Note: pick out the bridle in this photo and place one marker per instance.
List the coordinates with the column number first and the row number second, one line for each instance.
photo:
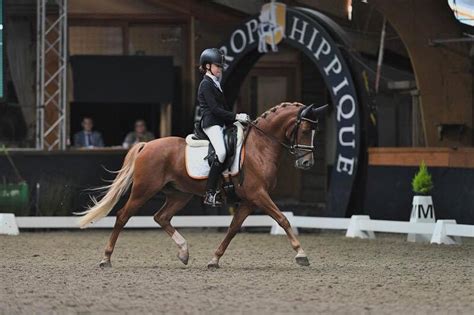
column 293, row 147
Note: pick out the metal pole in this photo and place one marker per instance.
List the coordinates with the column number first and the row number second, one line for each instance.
column 63, row 135
column 51, row 89
column 380, row 59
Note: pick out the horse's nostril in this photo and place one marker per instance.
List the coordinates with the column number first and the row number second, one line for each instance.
column 306, row 163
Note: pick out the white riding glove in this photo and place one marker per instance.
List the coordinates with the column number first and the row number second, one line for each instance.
column 242, row 117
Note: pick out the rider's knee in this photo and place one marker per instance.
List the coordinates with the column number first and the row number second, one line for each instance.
column 221, row 156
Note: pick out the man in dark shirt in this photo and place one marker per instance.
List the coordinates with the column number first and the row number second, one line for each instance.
column 87, row 138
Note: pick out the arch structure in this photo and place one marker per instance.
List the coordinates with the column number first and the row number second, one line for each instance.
column 326, row 45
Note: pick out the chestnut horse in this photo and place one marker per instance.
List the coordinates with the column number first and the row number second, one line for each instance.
column 159, row 165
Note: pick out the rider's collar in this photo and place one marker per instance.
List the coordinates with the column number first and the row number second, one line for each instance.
column 215, row 80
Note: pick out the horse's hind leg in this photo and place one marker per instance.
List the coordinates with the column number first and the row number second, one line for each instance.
column 138, row 197
column 123, row 215
column 175, row 201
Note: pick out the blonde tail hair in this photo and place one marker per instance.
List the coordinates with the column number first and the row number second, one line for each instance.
column 114, row 191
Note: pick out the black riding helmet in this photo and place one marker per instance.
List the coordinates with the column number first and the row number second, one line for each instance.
column 212, row 56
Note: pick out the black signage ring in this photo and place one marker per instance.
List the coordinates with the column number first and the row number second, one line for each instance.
column 303, row 32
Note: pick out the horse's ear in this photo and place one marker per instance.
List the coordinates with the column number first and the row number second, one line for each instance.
column 319, row 110
column 306, row 110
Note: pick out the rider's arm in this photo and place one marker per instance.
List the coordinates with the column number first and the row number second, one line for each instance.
column 216, row 108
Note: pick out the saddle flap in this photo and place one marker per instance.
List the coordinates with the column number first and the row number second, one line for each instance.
column 230, row 140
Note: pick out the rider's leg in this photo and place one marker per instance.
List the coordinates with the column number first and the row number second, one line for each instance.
column 212, row 192
column 216, row 136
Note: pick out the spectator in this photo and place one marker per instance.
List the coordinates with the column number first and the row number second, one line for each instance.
column 140, row 134
column 87, row 138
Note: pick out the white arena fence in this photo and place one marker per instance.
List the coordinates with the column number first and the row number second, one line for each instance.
column 358, row 226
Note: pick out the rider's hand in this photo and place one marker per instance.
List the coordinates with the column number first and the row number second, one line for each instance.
column 242, row 117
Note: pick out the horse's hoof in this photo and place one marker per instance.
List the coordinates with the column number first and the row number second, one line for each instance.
column 105, row 264
column 302, row 260
column 184, row 257
column 213, row 264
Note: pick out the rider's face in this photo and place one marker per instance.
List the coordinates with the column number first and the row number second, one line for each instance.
column 216, row 70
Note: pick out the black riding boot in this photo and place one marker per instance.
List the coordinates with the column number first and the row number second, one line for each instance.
column 212, row 194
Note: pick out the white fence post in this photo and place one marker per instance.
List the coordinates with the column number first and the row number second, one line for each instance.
column 441, row 237
column 422, row 211
column 8, row 224
column 277, row 229
column 354, row 229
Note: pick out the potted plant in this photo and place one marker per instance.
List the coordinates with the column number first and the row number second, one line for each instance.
column 422, row 183
column 422, row 210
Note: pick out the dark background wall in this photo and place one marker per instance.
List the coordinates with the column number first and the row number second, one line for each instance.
column 389, row 194
column 65, row 176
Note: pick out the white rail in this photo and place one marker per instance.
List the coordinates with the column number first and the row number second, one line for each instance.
column 441, row 232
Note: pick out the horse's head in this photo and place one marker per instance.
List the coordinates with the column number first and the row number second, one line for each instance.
column 302, row 135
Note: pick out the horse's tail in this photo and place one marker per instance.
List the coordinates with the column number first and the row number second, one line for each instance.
column 114, row 191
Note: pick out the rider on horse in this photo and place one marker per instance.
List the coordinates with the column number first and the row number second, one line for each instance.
column 216, row 114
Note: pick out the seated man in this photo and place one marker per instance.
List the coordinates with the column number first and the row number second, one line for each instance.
column 87, row 138
column 140, row 134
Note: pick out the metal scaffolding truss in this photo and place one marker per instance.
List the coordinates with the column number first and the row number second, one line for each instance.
column 51, row 74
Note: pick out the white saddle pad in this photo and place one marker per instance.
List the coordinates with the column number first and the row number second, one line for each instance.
column 196, row 151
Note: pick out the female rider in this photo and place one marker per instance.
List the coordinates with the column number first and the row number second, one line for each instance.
column 215, row 116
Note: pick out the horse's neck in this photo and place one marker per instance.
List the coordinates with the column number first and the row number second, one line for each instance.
column 267, row 144
column 276, row 124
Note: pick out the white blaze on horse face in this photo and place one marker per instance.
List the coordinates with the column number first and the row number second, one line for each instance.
column 178, row 239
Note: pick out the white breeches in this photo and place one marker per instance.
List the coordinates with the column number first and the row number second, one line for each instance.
column 216, row 135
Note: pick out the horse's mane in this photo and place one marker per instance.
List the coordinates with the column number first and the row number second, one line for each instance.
column 274, row 109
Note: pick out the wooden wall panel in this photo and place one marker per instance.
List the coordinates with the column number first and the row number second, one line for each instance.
column 440, row 157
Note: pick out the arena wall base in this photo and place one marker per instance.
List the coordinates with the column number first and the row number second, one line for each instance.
column 417, row 237
column 8, row 224
column 440, row 235
column 355, row 227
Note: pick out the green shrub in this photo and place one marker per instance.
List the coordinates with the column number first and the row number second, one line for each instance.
column 422, row 183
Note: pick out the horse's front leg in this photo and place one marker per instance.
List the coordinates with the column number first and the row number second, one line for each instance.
column 264, row 202
column 239, row 217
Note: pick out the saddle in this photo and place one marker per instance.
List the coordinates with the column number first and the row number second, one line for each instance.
column 200, row 154
column 230, row 141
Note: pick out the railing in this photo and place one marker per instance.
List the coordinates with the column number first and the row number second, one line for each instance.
column 441, row 232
